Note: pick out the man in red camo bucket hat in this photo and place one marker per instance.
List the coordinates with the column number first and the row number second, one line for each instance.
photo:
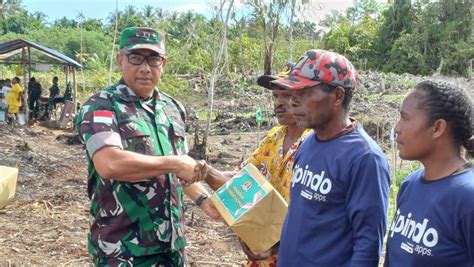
column 340, row 184
column 315, row 67
column 273, row 158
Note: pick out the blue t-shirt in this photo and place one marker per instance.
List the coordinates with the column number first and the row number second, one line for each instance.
column 339, row 198
column 434, row 222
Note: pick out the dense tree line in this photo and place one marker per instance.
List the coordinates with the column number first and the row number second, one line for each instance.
column 418, row 37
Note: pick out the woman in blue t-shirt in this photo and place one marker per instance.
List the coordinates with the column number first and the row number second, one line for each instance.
column 434, row 221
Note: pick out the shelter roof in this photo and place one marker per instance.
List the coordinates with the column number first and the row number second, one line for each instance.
column 14, row 47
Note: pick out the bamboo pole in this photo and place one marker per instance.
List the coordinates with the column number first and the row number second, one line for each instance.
column 75, row 89
column 29, row 63
column 394, row 166
column 25, row 84
column 26, row 89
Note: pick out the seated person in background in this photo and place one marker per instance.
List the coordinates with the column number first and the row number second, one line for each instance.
column 54, row 98
column 54, row 90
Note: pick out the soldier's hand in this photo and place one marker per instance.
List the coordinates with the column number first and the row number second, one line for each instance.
column 190, row 170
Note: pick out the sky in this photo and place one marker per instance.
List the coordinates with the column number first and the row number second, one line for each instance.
column 101, row 9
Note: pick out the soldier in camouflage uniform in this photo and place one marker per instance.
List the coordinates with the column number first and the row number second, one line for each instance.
column 136, row 146
column 54, row 99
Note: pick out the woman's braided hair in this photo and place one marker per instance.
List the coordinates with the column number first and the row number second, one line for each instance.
column 448, row 101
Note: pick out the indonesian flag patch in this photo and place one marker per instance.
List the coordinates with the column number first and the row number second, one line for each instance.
column 103, row 116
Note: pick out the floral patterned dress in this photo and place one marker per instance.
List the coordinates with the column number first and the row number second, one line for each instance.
column 277, row 168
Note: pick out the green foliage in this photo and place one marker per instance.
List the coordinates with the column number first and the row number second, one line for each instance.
column 65, row 23
column 95, row 45
column 399, row 19
column 130, row 17
column 459, row 56
column 10, row 36
column 407, row 50
column 193, row 36
column 92, row 25
column 406, row 170
column 355, row 41
column 415, row 37
column 202, row 115
column 20, row 23
column 338, row 39
column 362, row 9
column 173, row 85
column 94, row 80
column 395, row 184
column 246, row 51
column 393, row 98
column 405, row 36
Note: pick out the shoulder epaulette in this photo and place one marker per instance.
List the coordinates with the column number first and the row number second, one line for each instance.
column 178, row 104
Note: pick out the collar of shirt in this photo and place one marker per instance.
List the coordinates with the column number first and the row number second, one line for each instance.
column 127, row 94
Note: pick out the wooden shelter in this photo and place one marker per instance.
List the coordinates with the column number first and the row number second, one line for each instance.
column 11, row 48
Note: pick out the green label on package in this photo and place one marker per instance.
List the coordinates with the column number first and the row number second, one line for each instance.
column 240, row 194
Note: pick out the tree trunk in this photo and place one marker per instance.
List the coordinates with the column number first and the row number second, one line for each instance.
column 440, row 67
column 267, row 62
column 214, row 74
column 241, row 57
column 290, row 41
column 469, row 69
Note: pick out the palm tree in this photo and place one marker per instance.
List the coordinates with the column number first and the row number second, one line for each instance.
column 148, row 14
column 81, row 17
column 9, row 8
column 40, row 16
column 160, row 14
column 130, row 11
column 65, row 23
column 132, row 17
column 268, row 17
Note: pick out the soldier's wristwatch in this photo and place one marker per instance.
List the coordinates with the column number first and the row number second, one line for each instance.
column 200, row 199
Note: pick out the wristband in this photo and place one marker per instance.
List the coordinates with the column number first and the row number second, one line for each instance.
column 200, row 199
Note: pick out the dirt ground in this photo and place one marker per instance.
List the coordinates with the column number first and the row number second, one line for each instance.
column 47, row 222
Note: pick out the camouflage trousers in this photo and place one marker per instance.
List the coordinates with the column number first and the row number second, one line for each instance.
column 171, row 259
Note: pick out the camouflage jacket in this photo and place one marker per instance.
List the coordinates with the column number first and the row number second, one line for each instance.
column 53, row 91
column 142, row 217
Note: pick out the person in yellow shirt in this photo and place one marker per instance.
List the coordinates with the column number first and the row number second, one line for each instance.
column 274, row 159
column 14, row 98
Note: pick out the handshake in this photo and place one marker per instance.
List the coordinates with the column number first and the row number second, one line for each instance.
column 190, row 171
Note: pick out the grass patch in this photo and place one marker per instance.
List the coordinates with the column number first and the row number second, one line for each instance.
column 387, row 98
column 245, row 114
column 203, row 115
column 393, row 98
column 373, row 97
column 395, row 186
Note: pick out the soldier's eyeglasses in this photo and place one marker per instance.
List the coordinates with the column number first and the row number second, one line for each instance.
column 137, row 59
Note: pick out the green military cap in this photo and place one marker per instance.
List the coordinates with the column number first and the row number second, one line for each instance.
column 142, row 38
